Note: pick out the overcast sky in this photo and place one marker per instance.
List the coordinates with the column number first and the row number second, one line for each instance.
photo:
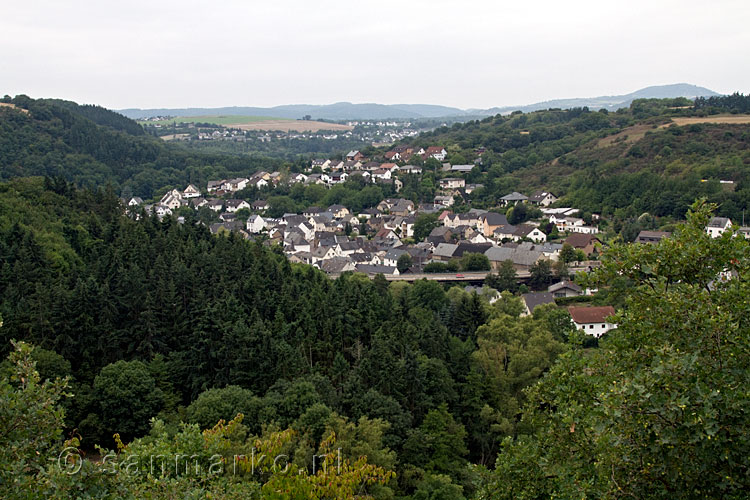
column 463, row 53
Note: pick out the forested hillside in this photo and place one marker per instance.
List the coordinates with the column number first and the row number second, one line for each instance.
column 181, row 314
column 629, row 162
column 95, row 147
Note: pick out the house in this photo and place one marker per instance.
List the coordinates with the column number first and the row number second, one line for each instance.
column 297, row 178
column 403, row 208
column 565, row 289
column 338, row 211
column 391, row 256
column 535, row 299
column 260, row 205
column 214, row 185
column 542, row 198
column 319, row 163
column 215, row 205
column 717, row 225
column 236, row 184
column 258, row 180
column 652, row 237
column 504, row 232
column 135, row 201
column 452, row 183
column 592, row 320
column 437, row 152
column 585, row 242
column 381, row 173
column 337, row 265
column 191, row 192
column 354, row 156
column 172, row 199
column 255, row 224
column 522, row 259
column 444, row 252
column 392, row 155
column 470, row 188
column 337, row 178
column 490, row 221
column 410, row 169
column 234, row 205
column 335, row 165
column 531, row 232
column 513, row 199
column 445, row 201
column 463, row 169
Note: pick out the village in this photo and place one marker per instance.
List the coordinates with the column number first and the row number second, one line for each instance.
column 455, row 247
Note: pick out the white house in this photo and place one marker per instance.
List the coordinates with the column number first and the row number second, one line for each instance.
column 593, row 320
column 452, row 183
column 717, row 226
column 436, row 152
column 542, row 198
column 191, row 191
column 256, row 224
column 234, row 205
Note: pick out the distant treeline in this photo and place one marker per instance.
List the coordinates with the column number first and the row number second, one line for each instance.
column 735, row 103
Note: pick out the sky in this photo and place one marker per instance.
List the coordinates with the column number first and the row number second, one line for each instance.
column 462, row 53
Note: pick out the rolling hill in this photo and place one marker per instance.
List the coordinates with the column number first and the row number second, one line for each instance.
column 372, row 111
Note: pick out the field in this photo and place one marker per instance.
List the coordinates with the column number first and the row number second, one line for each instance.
column 255, row 123
column 628, row 135
column 13, row 106
column 730, row 119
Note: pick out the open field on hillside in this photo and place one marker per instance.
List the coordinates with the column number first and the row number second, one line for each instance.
column 13, row 106
column 628, row 135
column 292, row 126
column 730, row 119
column 255, row 123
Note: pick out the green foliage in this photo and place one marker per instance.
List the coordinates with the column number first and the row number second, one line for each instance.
column 424, row 225
column 660, row 410
column 221, row 404
column 127, row 396
column 96, row 147
column 404, row 262
column 30, row 423
column 474, row 262
column 505, row 278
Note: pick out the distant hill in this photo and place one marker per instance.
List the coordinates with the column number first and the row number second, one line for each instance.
column 336, row 111
column 373, row 111
column 93, row 146
column 610, row 103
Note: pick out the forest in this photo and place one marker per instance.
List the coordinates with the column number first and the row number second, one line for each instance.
column 92, row 147
column 134, row 338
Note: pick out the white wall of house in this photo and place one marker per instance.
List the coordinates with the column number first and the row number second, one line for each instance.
column 595, row 329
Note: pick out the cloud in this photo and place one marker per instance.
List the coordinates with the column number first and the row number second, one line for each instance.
column 467, row 54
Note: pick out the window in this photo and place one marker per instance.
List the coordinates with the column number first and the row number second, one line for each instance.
column 591, row 327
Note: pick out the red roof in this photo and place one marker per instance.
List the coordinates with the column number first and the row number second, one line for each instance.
column 444, row 214
column 583, row 315
column 434, row 149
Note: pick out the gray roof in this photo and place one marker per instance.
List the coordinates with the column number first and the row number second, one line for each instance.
column 540, row 195
column 718, row 222
column 535, row 299
column 522, row 258
column 494, row 219
column 564, row 284
column 336, row 264
column 394, row 253
column 514, row 196
column 444, row 250
column 373, row 269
